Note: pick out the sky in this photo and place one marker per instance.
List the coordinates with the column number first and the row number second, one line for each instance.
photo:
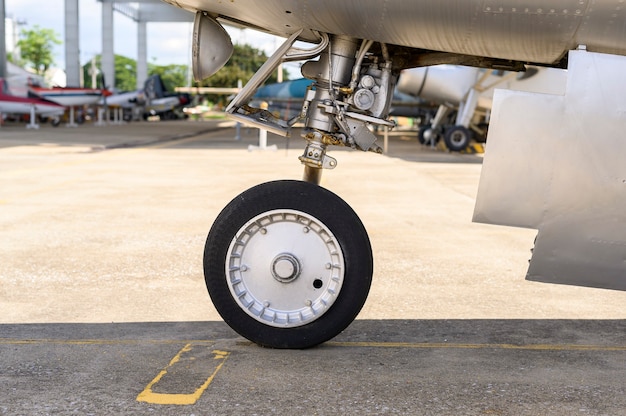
column 168, row 43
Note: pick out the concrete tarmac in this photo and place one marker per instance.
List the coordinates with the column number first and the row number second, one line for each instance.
column 104, row 310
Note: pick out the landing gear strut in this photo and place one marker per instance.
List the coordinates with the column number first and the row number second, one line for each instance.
column 288, row 264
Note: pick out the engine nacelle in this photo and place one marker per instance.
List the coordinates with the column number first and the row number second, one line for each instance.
column 440, row 83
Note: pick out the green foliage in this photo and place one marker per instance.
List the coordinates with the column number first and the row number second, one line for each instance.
column 125, row 74
column 15, row 59
column 36, row 46
column 244, row 62
column 172, row 75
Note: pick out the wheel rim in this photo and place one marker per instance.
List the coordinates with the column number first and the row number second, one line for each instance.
column 284, row 268
column 458, row 138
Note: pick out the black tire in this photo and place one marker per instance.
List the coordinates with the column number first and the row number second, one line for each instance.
column 427, row 130
column 457, row 138
column 285, row 199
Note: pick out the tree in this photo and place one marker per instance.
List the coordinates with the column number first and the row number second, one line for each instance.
column 125, row 74
column 244, row 62
column 36, row 45
column 172, row 75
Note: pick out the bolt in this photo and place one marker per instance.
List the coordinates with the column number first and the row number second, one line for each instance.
column 308, row 302
column 306, row 229
column 244, row 268
column 263, row 230
column 266, row 304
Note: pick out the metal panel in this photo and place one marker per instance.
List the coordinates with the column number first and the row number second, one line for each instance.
column 555, row 163
column 526, row 30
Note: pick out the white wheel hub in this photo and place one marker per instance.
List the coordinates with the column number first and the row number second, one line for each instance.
column 285, row 268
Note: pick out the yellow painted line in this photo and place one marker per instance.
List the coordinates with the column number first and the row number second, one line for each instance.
column 149, row 396
column 428, row 345
column 344, row 344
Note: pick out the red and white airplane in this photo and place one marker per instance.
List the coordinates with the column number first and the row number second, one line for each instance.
column 11, row 104
column 288, row 264
column 69, row 97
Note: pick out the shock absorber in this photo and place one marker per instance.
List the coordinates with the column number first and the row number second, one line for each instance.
column 332, row 74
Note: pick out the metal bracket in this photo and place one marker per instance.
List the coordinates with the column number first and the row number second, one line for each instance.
column 315, row 156
column 239, row 110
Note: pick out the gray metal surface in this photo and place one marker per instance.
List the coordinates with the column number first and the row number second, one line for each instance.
column 536, row 31
column 556, row 164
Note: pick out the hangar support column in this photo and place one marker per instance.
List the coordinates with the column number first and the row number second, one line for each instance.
column 142, row 54
column 72, row 51
column 108, row 58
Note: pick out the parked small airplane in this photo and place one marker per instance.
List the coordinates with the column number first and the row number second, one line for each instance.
column 160, row 102
column 464, row 96
column 11, row 104
column 288, row 264
column 152, row 100
column 18, row 79
column 69, row 97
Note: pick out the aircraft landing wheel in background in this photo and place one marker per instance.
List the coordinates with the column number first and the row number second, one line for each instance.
column 457, row 138
column 288, row 264
column 426, row 135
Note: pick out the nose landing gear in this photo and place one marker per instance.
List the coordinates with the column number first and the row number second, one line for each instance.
column 288, row 264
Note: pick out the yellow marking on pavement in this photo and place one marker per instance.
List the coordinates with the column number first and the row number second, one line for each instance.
column 345, row 344
column 149, row 396
column 425, row 345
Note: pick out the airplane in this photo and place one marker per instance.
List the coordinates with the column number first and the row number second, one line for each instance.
column 18, row 79
column 464, row 97
column 11, row 104
column 288, row 264
column 69, row 97
column 160, row 102
column 452, row 101
column 151, row 100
